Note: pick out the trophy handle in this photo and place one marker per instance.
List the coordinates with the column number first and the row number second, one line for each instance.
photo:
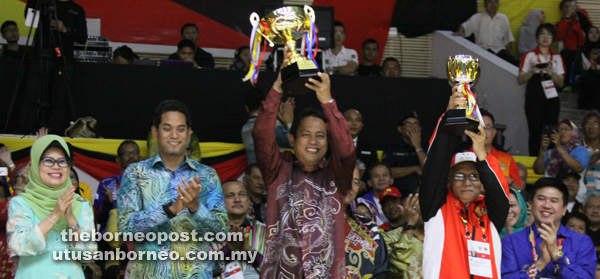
column 310, row 13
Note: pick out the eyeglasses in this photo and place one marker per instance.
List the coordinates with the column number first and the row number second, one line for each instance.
column 49, row 162
column 409, row 124
column 593, row 124
column 461, row 177
column 592, row 207
column 9, row 30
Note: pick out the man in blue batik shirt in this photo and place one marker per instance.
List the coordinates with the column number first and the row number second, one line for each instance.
column 171, row 193
column 548, row 249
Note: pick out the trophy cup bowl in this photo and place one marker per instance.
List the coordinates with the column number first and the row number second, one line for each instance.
column 463, row 69
column 284, row 26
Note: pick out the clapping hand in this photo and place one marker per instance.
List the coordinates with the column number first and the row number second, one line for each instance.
column 189, row 193
column 412, row 209
column 243, row 245
column 63, row 203
column 41, row 132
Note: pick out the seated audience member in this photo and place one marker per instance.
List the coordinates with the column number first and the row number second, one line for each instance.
column 10, row 32
column 203, row 59
column 391, row 67
column 391, row 205
column 48, row 207
column 592, row 211
column 492, row 31
column 527, row 39
column 568, row 152
column 406, row 242
column 366, row 252
column 255, row 186
column 558, row 252
column 241, row 59
column 407, row 156
column 370, row 52
column 128, row 153
column 571, row 179
column 452, row 205
column 586, row 63
column 507, row 162
column 577, row 222
column 591, row 133
column 363, row 210
column 123, row 55
column 364, row 151
column 237, row 204
column 185, row 52
column 339, row 59
column 517, row 214
column 81, row 188
column 569, row 33
column 522, row 173
column 380, row 177
column 285, row 117
column 541, row 109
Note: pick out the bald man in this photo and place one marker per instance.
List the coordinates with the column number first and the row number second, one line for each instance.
column 364, row 152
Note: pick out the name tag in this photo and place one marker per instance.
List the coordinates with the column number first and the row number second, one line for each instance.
column 480, row 261
column 549, row 89
column 365, row 152
column 233, row 271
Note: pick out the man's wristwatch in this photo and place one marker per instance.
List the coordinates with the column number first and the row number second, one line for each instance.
column 75, row 227
column 559, row 254
column 407, row 226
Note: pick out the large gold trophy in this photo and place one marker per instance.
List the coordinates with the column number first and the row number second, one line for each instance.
column 463, row 69
column 284, row 26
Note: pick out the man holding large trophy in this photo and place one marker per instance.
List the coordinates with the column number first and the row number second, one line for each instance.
column 284, row 26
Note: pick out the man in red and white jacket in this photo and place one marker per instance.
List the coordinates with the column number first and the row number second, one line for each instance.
column 461, row 224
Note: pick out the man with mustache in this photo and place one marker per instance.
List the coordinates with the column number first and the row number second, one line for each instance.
column 255, row 186
column 548, row 249
column 305, row 190
column 237, row 202
column 391, row 204
column 458, row 218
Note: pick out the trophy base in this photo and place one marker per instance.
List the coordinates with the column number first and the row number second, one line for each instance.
column 457, row 123
column 295, row 75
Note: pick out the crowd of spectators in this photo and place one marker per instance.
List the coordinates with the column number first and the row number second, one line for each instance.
column 335, row 208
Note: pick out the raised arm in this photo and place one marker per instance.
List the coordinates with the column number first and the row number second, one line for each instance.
column 434, row 181
column 343, row 156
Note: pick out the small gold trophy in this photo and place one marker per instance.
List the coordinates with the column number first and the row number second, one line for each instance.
column 463, row 69
column 284, row 26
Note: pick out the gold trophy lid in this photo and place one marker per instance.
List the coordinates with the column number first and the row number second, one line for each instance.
column 462, row 68
column 285, row 24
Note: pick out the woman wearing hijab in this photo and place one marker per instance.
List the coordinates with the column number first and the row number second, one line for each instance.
column 527, row 38
column 49, row 205
column 517, row 214
column 587, row 66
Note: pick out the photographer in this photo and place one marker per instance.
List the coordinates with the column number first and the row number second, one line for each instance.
column 539, row 66
column 57, row 29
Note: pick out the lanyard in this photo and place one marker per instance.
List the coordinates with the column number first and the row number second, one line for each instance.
column 534, row 251
column 468, row 234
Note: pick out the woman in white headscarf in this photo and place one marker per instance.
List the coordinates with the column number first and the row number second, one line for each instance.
column 527, row 39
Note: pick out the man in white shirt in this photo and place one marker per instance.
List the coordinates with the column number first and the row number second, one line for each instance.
column 339, row 59
column 492, row 31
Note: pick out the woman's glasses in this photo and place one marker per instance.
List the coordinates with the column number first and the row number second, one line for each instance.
column 49, row 162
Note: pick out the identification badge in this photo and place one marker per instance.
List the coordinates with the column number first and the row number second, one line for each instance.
column 549, row 89
column 480, row 261
column 233, row 270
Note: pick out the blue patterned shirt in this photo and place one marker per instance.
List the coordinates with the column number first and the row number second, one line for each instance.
column 147, row 186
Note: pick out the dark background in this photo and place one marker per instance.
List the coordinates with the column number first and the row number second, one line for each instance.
column 123, row 97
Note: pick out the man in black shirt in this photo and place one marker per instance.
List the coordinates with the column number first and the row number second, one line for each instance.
column 189, row 31
column 10, row 32
column 364, row 151
column 49, row 67
column 257, row 192
column 407, row 156
column 369, row 51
